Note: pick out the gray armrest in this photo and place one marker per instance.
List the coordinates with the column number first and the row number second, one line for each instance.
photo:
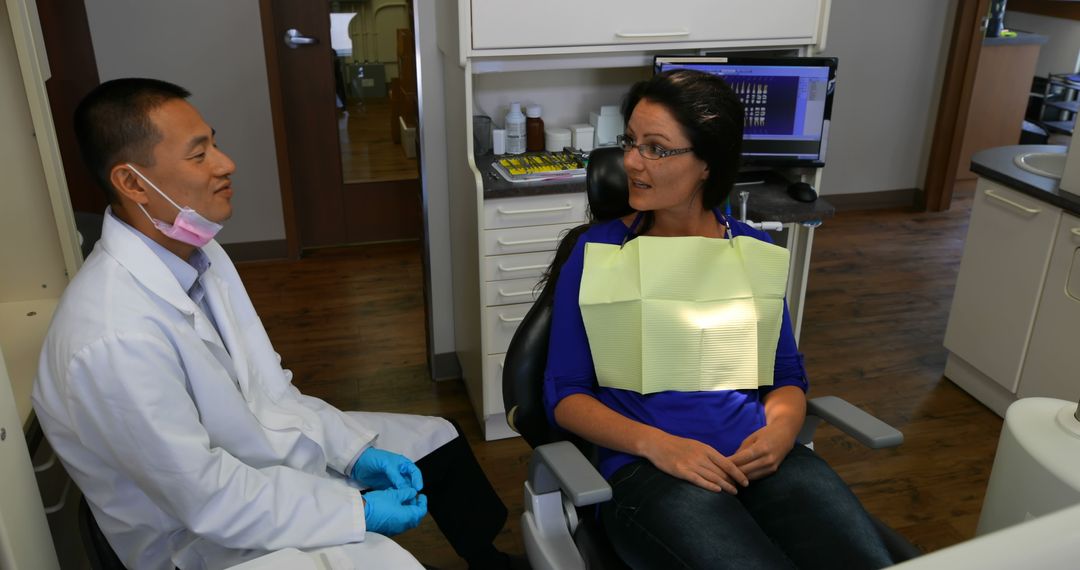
column 561, row 466
column 853, row 421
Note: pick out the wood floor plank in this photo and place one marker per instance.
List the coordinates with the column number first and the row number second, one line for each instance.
column 350, row 324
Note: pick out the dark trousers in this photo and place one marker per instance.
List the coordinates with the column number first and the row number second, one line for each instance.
column 802, row 516
column 460, row 498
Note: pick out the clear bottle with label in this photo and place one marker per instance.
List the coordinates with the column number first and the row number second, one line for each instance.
column 515, row 130
column 534, row 129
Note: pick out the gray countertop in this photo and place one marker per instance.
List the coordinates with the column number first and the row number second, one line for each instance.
column 997, row 164
column 768, row 201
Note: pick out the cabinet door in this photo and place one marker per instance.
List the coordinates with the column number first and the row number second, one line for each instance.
column 1001, row 276
column 1050, row 367
column 508, row 24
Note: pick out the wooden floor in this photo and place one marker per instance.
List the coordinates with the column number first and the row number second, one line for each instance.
column 350, row 324
column 368, row 154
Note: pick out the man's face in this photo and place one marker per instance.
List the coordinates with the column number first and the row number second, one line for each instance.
column 188, row 166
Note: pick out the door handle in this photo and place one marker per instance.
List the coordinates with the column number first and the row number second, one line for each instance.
column 521, row 268
column 506, row 319
column 293, row 39
column 1075, row 232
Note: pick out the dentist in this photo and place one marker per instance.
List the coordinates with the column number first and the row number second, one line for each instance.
column 161, row 393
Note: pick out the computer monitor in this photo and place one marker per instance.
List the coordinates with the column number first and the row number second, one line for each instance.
column 787, row 103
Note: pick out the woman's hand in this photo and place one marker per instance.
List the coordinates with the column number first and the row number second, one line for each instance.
column 762, row 452
column 693, row 461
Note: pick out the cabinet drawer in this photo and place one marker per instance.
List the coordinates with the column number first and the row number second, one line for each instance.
column 517, row 266
column 511, row 291
column 493, row 368
column 534, row 211
column 1001, row 277
column 1050, row 366
column 507, row 24
column 502, row 322
column 522, row 240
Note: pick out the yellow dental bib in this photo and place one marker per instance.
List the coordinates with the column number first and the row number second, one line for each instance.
column 683, row 313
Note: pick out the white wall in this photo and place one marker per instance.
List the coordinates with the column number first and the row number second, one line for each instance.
column 214, row 49
column 892, row 58
column 436, row 191
column 1059, row 54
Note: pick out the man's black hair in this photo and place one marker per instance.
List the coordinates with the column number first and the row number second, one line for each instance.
column 112, row 125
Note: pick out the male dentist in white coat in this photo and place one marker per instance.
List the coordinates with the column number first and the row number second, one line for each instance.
column 161, row 393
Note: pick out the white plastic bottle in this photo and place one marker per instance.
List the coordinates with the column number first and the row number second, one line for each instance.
column 515, row 130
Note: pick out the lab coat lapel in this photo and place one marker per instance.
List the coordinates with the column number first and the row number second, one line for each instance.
column 235, row 359
column 130, row 252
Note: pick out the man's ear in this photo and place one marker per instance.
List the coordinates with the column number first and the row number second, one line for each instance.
column 127, row 185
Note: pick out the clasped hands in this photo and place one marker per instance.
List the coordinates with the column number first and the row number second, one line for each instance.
column 759, row 455
column 393, row 504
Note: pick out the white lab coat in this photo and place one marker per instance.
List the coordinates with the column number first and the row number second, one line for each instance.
column 195, row 449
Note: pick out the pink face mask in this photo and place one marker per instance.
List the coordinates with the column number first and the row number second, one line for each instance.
column 189, row 227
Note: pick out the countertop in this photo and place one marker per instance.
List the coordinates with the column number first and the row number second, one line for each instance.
column 997, row 164
column 1021, row 38
column 768, row 201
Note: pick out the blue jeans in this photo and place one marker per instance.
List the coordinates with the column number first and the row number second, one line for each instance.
column 802, row 516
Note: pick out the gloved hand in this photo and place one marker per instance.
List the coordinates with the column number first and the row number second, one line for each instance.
column 381, row 469
column 393, row 511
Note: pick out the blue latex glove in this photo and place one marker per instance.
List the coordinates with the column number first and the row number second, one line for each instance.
column 393, row 511
column 381, row 469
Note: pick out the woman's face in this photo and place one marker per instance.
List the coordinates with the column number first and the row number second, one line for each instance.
column 667, row 183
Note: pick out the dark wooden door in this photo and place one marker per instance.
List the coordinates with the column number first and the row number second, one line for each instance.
column 306, row 82
column 66, row 33
column 328, row 211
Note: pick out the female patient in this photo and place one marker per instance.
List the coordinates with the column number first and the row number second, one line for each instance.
column 702, row 477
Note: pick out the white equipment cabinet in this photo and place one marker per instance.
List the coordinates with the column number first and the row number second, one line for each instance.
column 569, row 57
column 1050, row 368
column 1001, row 275
column 39, row 250
column 1015, row 314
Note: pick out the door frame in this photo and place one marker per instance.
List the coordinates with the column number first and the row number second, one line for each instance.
column 277, row 119
column 953, row 105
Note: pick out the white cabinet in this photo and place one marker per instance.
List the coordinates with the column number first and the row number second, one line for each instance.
column 38, row 252
column 520, row 237
column 620, row 24
column 1051, row 368
column 1001, row 276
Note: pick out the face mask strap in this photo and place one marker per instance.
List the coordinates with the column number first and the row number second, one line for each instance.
column 152, row 185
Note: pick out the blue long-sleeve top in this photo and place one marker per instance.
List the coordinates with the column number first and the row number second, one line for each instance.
column 721, row 419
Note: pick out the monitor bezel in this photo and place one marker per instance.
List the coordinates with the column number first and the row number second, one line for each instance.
column 787, row 61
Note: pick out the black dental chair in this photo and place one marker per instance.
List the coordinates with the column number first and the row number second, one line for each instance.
column 558, row 525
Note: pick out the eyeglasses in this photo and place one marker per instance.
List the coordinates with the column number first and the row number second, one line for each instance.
column 649, row 151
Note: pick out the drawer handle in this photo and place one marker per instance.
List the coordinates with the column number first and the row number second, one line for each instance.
column 1075, row 232
column 502, row 210
column 504, row 293
column 527, row 241
column 651, row 34
column 511, row 319
column 1016, row 205
column 521, row 268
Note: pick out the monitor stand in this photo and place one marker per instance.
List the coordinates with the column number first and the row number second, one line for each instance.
column 752, row 177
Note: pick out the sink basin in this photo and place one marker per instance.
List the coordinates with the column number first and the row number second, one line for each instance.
column 1049, row 164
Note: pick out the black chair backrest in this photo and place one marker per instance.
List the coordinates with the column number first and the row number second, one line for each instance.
column 98, row 550
column 526, row 358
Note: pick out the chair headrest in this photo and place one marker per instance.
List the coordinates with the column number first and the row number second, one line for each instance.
column 606, row 185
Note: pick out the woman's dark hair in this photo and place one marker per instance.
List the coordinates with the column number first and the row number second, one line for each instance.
column 112, row 125
column 711, row 117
